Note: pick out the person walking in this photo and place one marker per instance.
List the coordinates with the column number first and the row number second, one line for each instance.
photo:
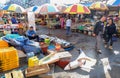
column 98, row 31
column 68, row 26
column 110, row 31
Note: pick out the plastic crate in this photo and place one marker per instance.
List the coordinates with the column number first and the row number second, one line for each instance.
column 3, row 44
column 8, row 58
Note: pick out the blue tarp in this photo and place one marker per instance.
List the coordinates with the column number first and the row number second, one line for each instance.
column 29, row 48
column 12, row 36
column 22, row 42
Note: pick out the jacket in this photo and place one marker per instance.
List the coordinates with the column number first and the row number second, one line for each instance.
column 98, row 27
column 30, row 33
column 110, row 30
column 14, row 21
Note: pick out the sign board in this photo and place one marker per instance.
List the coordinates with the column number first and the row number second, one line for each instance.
column 31, row 19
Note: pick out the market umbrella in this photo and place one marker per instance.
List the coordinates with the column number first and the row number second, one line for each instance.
column 48, row 9
column 61, row 8
column 34, row 9
column 1, row 6
column 99, row 6
column 15, row 8
column 113, row 2
column 77, row 9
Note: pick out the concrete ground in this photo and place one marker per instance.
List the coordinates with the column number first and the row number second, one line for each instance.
column 108, row 63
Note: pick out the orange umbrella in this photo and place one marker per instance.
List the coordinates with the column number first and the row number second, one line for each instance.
column 98, row 6
column 77, row 9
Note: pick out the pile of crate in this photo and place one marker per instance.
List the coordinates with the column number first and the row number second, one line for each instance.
column 8, row 58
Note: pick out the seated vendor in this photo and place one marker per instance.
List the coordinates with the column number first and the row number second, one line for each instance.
column 31, row 34
column 15, row 31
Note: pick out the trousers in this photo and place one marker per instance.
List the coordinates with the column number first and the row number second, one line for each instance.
column 68, row 32
column 98, row 41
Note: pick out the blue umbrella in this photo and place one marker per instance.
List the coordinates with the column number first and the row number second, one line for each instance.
column 33, row 9
column 14, row 7
column 117, row 2
column 114, row 2
column 1, row 6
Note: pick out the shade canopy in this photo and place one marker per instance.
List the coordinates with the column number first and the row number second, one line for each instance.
column 77, row 9
column 113, row 2
column 48, row 9
column 99, row 6
column 2, row 6
column 34, row 9
column 15, row 8
column 61, row 8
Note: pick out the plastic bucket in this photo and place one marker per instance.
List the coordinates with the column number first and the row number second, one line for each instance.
column 44, row 47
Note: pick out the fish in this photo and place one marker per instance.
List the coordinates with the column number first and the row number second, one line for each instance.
column 81, row 61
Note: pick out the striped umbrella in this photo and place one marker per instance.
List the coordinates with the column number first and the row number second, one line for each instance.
column 77, row 9
column 113, row 2
column 34, row 9
column 15, row 8
column 48, row 9
column 98, row 6
column 61, row 8
column 1, row 6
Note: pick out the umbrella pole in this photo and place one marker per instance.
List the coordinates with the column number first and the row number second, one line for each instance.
column 49, row 32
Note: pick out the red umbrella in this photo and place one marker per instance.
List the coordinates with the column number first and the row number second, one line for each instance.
column 77, row 9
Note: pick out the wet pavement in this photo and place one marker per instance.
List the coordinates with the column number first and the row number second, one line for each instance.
column 108, row 63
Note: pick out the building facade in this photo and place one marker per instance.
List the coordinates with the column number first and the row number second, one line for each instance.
column 28, row 3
